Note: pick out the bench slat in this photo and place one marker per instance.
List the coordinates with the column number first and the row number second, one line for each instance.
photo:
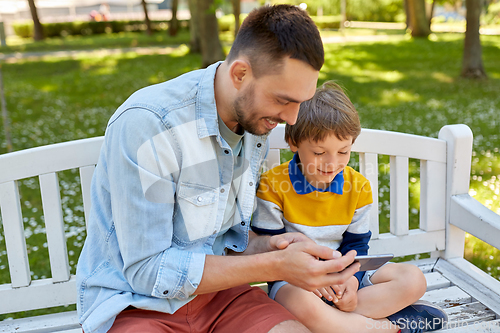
column 54, row 225
column 86, row 174
column 399, row 195
column 52, row 158
column 58, row 322
column 436, row 281
column 417, row 241
column 14, row 234
column 40, row 294
column 432, row 195
column 368, row 167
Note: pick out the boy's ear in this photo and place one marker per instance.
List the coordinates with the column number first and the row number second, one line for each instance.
column 239, row 72
column 293, row 147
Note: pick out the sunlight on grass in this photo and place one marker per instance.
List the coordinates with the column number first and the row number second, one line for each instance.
column 442, row 77
column 395, row 96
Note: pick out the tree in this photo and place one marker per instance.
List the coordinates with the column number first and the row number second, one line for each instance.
column 149, row 31
column 174, row 23
column 419, row 24
column 38, row 28
column 205, row 31
column 236, row 12
column 194, row 27
column 472, row 64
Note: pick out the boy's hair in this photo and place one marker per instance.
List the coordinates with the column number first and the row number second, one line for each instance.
column 329, row 112
column 270, row 33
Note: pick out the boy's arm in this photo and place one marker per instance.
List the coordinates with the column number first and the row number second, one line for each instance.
column 356, row 240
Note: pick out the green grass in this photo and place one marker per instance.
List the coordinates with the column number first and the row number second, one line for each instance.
column 404, row 85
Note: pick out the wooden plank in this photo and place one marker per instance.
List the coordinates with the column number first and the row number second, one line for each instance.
column 468, row 313
column 492, row 326
column 39, row 295
column 425, row 265
column 417, row 241
column 54, row 226
column 52, row 158
column 57, row 322
column 432, row 195
column 399, row 196
column 15, row 240
column 384, row 143
column 436, row 281
column 447, row 297
column 472, row 280
column 86, row 174
column 470, row 215
column 368, row 167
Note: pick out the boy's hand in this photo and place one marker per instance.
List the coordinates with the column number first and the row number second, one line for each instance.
column 347, row 295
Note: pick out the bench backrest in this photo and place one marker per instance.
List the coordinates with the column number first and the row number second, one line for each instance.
column 436, row 187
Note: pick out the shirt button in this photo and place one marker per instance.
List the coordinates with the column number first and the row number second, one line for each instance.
column 226, row 151
column 259, row 145
column 165, row 292
column 222, row 190
column 200, row 199
column 251, row 184
column 243, row 223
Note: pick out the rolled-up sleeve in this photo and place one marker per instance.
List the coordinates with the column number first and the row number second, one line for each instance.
column 143, row 193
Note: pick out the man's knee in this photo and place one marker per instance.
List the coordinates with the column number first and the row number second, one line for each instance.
column 289, row 326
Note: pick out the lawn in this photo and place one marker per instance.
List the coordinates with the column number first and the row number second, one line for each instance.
column 401, row 85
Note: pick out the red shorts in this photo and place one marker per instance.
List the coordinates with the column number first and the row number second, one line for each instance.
column 240, row 309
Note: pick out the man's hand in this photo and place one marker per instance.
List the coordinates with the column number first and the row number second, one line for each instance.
column 299, row 265
column 280, row 242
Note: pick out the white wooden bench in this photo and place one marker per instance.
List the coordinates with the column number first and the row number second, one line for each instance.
column 469, row 295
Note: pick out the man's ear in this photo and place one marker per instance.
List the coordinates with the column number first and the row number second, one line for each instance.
column 239, row 72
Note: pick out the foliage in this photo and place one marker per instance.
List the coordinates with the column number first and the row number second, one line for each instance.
column 62, row 29
column 492, row 16
column 376, row 11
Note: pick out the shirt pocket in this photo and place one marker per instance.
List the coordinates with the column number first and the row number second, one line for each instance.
column 196, row 212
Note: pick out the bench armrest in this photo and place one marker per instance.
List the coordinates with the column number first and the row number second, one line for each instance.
column 473, row 217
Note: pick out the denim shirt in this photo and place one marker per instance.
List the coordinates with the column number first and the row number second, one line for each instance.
column 158, row 194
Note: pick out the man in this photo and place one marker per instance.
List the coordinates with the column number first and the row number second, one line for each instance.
column 174, row 191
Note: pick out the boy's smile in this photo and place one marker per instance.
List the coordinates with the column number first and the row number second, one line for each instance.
column 321, row 161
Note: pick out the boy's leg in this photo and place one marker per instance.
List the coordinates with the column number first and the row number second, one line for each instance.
column 320, row 317
column 395, row 286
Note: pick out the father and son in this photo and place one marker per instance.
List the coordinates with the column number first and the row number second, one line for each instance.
column 182, row 219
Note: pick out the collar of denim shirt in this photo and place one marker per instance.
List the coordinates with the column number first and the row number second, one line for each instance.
column 302, row 186
column 206, row 109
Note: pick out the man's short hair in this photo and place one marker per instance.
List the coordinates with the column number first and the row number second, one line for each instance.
column 270, row 33
column 329, row 112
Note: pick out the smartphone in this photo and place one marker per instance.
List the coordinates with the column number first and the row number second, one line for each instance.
column 374, row 261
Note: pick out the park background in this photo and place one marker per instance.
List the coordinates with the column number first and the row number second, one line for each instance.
column 402, row 74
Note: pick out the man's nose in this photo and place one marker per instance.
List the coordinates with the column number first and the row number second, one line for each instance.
column 290, row 113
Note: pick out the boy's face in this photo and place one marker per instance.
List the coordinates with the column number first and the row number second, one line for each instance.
column 321, row 161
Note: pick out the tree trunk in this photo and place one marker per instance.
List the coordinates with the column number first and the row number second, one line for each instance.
column 429, row 10
column 174, row 23
column 211, row 48
column 418, row 18
column 236, row 12
column 38, row 29
column 5, row 114
column 194, row 27
column 407, row 12
column 472, row 64
column 149, row 31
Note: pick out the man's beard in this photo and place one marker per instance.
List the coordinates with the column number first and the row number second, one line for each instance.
column 246, row 114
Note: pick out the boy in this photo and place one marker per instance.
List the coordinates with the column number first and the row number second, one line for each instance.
column 316, row 193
